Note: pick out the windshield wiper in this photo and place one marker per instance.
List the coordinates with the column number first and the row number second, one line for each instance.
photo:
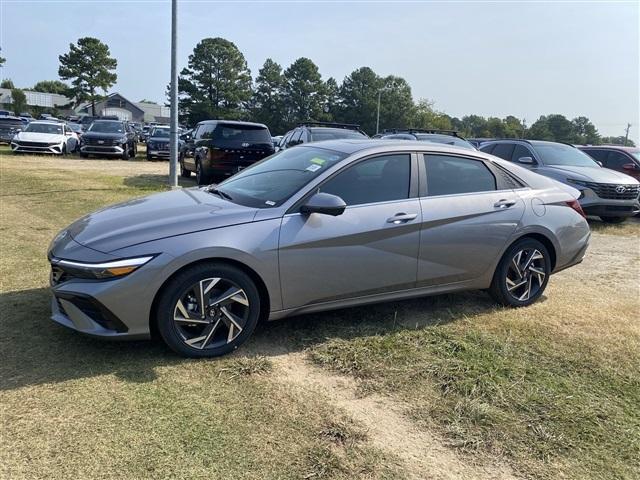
column 220, row 193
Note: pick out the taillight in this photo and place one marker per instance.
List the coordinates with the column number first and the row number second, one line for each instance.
column 576, row 206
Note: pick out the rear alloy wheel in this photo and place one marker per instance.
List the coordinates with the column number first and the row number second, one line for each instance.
column 522, row 274
column 201, row 177
column 208, row 310
column 613, row 219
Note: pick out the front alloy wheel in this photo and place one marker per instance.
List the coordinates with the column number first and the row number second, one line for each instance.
column 208, row 310
column 522, row 274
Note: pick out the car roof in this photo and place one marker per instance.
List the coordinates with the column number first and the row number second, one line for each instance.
column 46, row 122
column 350, row 146
column 524, row 140
column 233, row 122
column 610, row 147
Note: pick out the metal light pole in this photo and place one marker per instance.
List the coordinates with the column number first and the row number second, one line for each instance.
column 378, row 116
column 173, row 130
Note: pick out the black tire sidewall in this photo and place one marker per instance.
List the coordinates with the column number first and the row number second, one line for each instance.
column 613, row 220
column 177, row 285
column 499, row 286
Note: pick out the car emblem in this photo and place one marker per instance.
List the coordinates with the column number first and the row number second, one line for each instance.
column 621, row 189
column 100, row 141
column 245, row 144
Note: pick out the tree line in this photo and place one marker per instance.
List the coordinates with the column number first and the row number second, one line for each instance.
column 217, row 83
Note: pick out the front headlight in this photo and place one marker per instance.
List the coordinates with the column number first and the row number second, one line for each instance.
column 123, row 140
column 117, row 268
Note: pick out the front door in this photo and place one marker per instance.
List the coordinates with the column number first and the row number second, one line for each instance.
column 371, row 248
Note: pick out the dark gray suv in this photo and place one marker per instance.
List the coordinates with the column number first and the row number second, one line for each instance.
column 605, row 193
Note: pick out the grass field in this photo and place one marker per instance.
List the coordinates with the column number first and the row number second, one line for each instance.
column 446, row 387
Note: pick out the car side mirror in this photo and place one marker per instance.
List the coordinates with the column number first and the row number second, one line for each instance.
column 526, row 161
column 324, row 203
column 630, row 166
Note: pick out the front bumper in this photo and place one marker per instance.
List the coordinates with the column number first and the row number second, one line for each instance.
column 158, row 153
column 596, row 206
column 34, row 147
column 102, row 150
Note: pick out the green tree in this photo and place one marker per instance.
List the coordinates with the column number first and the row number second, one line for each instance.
column 90, row 67
column 425, row 116
column 617, row 141
column 18, row 101
column 216, row 83
column 2, row 59
column 53, row 86
column 396, row 103
column 540, row 130
column 554, row 127
column 513, row 127
column 305, row 94
column 358, row 99
column 475, row 126
column 7, row 83
column 267, row 104
column 585, row 131
column 496, row 127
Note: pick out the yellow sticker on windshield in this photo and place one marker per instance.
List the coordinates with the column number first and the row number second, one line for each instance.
column 317, row 161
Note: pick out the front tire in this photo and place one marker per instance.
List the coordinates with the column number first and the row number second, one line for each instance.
column 522, row 274
column 125, row 153
column 208, row 310
column 84, row 155
column 184, row 173
column 613, row 219
column 201, row 177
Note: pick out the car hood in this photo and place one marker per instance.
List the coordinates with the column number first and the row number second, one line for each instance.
column 589, row 174
column 39, row 137
column 157, row 216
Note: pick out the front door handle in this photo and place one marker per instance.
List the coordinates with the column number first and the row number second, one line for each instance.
column 504, row 203
column 399, row 218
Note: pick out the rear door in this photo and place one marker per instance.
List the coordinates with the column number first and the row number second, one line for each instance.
column 469, row 211
column 371, row 248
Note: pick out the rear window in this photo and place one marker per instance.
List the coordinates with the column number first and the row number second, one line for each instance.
column 319, row 134
column 228, row 134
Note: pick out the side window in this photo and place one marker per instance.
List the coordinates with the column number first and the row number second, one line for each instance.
column 450, row 175
column 616, row 160
column 597, row 155
column 196, row 132
column 285, row 140
column 503, row 150
column 295, row 138
column 519, row 152
column 206, row 130
column 488, row 148
column 379, row 179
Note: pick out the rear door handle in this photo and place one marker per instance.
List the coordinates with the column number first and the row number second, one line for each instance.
column 504, row 203
column 399, row 218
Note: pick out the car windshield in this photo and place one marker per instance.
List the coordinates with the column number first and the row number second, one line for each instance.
column 76, row 127
column 446, row 139
column 319, row 134
column 230, row 135
column 271, row 182
column 106, row 127
column 160, row 132
column 44, row 128
column 636, row 154
column 559, row 154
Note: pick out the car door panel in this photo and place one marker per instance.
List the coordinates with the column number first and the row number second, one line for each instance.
column 462, row 235
column 364, row 251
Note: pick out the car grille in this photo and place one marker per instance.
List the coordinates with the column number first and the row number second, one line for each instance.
column 614, row 192
column 99, row 141
column 35, row 144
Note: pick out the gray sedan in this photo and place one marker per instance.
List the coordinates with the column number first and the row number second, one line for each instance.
column 316, row 227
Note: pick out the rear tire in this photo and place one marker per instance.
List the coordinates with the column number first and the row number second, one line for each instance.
column 221, row 323
column 84, row 155
column 613, row 219
column 522, row 274
column 201, row 177
column 184, row 173
column 125, row 153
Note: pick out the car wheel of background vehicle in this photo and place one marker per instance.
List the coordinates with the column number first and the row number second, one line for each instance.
column 84, row 155
column 522, row 274
column 149, row 158
column 201, row 177
column 134, row 150
column 183, row 171
column 125, row 153
column 64, row 148
column 208, row 310
column 613, row 219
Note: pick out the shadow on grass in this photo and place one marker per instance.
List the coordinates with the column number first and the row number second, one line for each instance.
column 35, row 350
column 152, row 181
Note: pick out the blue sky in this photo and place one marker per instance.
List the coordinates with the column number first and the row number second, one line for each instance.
column 488, row 58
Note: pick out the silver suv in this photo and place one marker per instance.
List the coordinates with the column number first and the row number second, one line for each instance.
column 605, row 193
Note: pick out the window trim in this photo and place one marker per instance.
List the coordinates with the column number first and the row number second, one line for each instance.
column 413, row 181
column 423, row 192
